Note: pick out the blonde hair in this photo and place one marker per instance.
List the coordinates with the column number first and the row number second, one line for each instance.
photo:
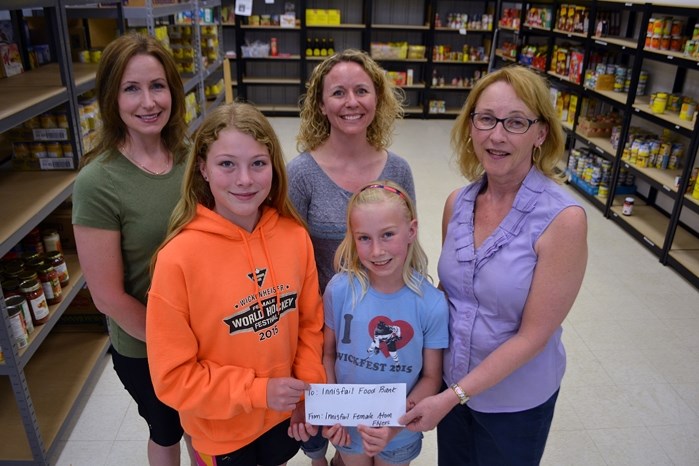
column 533, row 90
column 315, row 127
column 346, row 256
column 195, row 190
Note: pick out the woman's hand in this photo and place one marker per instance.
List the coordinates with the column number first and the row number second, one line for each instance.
column 284, row 392
column 337, row 435
column 429, row 411
column 375, row 439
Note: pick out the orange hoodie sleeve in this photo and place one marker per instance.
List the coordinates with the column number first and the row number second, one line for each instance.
column 308, row 363
column 200, row 388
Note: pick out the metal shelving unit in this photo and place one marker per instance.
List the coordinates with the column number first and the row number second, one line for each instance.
column 152, row 14
column 276, row 83
column 29, row 425
column 665, row 218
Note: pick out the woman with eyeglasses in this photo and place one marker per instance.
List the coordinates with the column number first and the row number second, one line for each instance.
column 513, row 258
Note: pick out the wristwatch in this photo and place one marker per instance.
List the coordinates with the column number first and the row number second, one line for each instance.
column 463, row 397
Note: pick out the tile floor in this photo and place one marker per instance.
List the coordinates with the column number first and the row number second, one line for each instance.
column 631, row 392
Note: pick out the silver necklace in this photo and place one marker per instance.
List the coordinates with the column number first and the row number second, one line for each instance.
column 122, row 149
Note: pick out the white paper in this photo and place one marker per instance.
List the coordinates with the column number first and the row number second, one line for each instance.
column 243, row 7
column 373, row 405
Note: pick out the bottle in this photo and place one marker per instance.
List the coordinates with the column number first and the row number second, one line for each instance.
column 316, row 47
column 309, row 47
column 435, row 80
column 273, row 50
column 324, row 47
column 331, row 47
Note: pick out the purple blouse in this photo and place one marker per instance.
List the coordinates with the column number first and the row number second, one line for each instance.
column 487, row 289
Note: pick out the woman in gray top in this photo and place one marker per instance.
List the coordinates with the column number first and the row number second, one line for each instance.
column 347, row 119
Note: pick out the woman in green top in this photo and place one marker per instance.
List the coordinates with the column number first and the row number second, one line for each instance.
column 122, row 201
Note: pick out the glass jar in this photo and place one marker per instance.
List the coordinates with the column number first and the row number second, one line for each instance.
column 10, row 287
column 27, row 274
column 38, row 306
column 52, row 286
column 52, row 241
column 56, row 260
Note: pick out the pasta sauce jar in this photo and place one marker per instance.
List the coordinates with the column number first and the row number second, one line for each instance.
column 56, row 260
column 49, row 281
column 38, row 306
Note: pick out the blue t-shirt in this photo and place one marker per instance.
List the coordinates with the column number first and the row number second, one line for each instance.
column 379, row 337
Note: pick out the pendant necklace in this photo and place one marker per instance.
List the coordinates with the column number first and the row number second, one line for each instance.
column 122, row 149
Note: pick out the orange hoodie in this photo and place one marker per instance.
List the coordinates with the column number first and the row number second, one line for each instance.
column 227, row 310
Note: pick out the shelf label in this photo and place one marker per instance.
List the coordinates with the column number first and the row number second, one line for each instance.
column 649, row 242
column 666, row 188
column 462, row 31
column 50, row 134
column 601, row 42
column 670, row 57
column 628, row 4
column 599, row 149
column 677, row 127
column 56, row 164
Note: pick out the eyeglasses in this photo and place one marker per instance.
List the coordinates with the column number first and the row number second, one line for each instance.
column 516, row 125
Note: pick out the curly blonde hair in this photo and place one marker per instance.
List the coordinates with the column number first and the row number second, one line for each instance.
column 315, row 127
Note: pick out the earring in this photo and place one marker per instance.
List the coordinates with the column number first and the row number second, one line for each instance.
column 536, row 153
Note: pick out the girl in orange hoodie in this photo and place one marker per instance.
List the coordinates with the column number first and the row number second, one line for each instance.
column 235, row 317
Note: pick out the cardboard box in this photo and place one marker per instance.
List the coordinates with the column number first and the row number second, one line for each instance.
column 334, row 17
column 10, row 61
column 399, row 78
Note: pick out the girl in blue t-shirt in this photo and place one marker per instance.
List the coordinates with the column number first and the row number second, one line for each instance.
column 384, row 321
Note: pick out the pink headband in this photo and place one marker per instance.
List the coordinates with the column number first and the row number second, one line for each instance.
column 387, row 188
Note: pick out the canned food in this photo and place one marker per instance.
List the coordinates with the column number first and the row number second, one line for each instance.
column 658, row 24
column 665, row 42
column 48, row 121
column 19, row 329
column 95, row 56
column 627, row 208
column 676, row 43
column 667, row 26
column 676, row 29
column 84, row 56
column 53, row 150
column 688, row 110
column 38, row 150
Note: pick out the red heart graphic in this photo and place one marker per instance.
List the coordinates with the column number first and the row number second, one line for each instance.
column 382, row 324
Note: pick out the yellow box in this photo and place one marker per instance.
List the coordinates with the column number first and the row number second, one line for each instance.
column 334, row 17
column 322, row 17
column 311, row 17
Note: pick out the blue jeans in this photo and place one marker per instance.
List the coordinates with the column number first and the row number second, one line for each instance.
column 470, row 438
column 316, row 447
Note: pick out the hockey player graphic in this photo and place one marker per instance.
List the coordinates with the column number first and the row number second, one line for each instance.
column 388, row 334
